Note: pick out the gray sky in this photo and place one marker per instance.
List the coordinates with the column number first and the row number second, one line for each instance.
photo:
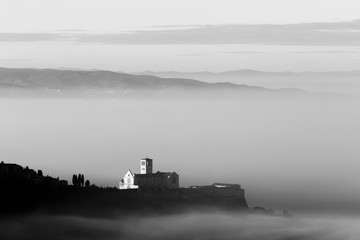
column 216, row 35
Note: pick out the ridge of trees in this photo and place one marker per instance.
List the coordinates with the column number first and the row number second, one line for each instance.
column 78, row 180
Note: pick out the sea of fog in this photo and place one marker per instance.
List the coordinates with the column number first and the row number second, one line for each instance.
column 298, row 155
column 191, row 225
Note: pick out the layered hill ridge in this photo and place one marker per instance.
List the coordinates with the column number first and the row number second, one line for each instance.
column 249, row 72
column 26, row 81
column 72, row 79
column 339, row 82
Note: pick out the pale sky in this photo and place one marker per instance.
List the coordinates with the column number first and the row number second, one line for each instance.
column 186, row 35
column 50, row 15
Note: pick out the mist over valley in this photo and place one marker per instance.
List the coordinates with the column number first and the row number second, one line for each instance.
column 216, row 120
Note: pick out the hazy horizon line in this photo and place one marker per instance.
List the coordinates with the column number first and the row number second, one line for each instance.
column 176, row 71
column 341, row 33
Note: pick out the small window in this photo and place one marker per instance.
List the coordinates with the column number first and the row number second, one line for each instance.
column 142, row 163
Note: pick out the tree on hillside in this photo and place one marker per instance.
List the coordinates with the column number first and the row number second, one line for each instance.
column 80, row 180
column 87, row 183
column 75, row 180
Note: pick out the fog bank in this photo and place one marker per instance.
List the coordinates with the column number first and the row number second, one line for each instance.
column 214, row 225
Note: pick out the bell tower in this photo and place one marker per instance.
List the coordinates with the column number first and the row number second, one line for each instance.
column 146, row 166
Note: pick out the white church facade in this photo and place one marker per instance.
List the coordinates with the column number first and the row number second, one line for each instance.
column 148, row 179
column 128, row 181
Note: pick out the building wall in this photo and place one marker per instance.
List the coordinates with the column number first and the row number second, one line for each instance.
column 167, row 180
column 173, row 181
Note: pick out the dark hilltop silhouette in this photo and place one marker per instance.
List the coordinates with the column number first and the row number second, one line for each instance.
column 25, row 190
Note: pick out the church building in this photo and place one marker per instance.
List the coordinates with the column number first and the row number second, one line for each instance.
column 148, row 179
column 128, row 181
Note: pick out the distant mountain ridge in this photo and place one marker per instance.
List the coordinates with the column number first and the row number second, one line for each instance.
column 246, row 72
column 338, row 82
column 101, row 82
column 63, row 79
column 70, row 79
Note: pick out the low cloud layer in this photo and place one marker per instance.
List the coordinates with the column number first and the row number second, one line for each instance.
column 216, row 225
column 322, row 33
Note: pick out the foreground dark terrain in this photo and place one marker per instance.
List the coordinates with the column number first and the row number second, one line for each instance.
column 26, row 191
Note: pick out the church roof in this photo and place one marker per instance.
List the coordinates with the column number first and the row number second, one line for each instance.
column 158, row 173
column 132, row 174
